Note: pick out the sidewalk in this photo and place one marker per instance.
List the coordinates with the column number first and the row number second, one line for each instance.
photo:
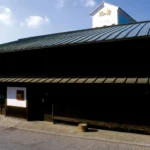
column 69, row 130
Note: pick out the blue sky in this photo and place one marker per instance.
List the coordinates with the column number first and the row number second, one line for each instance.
column 25, row 18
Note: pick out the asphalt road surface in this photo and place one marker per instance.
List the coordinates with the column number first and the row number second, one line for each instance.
column 15, row 139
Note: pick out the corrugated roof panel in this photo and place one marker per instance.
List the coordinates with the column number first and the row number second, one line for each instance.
column 142, row 80
column 74, row 37
column 126, row 32
column 81, row 36
column 27, row 45
column 23, row 79
column 120, row 80
column 86, row 38
column 105, row 36
column 81, row 80
column 21, row 46
column 11, row 79
column 144, row 31
column 17, row 79
column 56, row 80
column 42, row 80
column 5, row 80
column 78, row 80
column 113, row 29
column 100, row 80
column 61, row 40
column 90, row 80
column 76, row 40
column 68, row 40
column 131, row 80
column 64, row 80
column 115, row 34
column 73, row 80
column 8, row 79
column 28, row 80
column 136, row 30
column 35, row 80
column 45, row 44
column 110, row 80
column 95, row 35
column 36, row 43
column 49, row 80
column 56, row 40
column 1, row 79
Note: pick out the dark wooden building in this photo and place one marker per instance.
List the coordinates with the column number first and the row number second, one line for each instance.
column 91, row 75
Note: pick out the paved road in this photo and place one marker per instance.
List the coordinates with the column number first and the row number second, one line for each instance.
column 15, row 139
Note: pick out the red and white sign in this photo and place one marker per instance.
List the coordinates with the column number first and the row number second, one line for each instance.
column 16, row 96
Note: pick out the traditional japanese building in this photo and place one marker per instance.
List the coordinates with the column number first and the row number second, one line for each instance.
column 96, row 69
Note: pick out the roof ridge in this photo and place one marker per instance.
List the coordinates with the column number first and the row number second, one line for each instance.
column 48, row 40
column 101, row 5
column 75, row 31
column 112, row 4
column 97, row 7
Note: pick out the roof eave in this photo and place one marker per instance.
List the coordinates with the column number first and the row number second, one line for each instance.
column 97, row 9
column 126, row 14
column 76, row 44
column 93, row 12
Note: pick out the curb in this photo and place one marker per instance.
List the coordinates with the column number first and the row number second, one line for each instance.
column 73, row 136
column 81, row 137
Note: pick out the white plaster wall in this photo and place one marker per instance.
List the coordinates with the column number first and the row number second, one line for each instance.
column 107, row 20
column 11, row 97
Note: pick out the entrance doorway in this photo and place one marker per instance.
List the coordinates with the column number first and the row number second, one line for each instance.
column 47, row 108
column 39, row 104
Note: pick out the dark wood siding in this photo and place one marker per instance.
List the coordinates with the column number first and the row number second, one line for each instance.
column 105, row 59
column 109, row 102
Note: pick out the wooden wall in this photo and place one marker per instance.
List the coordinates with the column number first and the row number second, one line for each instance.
column 123, row 103
column 122, row 58
column 116, row 103
column 100, row 102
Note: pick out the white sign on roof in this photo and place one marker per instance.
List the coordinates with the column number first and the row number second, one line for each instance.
column 107, row 15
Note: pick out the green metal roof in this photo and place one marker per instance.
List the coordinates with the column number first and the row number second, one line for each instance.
column 111, row 33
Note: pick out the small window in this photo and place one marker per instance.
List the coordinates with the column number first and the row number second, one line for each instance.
column 20, row 95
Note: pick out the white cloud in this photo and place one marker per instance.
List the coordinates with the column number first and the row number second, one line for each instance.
column 6, row 16
column 60, row 3
column 34, row 21
column 88, row 3
column 46, row 19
